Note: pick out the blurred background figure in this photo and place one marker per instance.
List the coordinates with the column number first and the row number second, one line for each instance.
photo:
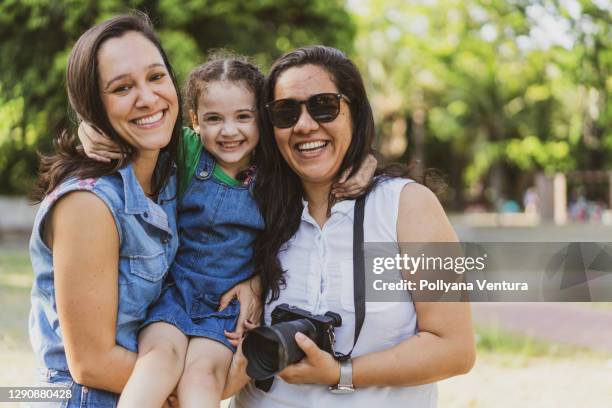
column 530, row 201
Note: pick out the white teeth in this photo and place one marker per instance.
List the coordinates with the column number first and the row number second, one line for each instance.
column 150, row 119
column 311, row 145
column 229, row 145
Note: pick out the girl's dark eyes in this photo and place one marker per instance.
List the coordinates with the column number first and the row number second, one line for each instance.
column 244, row 116
column 213, row 118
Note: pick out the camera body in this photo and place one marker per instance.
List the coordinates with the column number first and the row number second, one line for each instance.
column 324, row 323
column 269, row 349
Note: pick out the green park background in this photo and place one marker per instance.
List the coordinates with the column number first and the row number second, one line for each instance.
column 490, row 93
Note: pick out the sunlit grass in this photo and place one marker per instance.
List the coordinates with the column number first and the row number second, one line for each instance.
column 513, row 349
column 15, row 283
column 15, row 269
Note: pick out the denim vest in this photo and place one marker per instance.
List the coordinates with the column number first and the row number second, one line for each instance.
column 147, row 246
column 217, row 227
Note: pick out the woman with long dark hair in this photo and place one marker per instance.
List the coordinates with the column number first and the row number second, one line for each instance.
column 106, row 232
column 318, row 123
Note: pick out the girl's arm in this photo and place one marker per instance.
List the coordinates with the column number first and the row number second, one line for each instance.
column 444, row 344
column 85, row 262
column 97, row 145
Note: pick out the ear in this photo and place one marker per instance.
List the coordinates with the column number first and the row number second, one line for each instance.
column 194, row 120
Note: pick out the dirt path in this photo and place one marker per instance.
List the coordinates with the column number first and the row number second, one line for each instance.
column 569, row 323
column 495, row 382
column 508, row 382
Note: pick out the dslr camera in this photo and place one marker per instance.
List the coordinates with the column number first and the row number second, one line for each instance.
column 269, row 349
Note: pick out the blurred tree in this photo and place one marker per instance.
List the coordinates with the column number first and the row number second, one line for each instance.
column 592, row 63
column 492, row 88
column 37, row 36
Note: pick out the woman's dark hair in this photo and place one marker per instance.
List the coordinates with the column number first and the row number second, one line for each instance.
column 222, row 65
column 85, row 99
column 279, row 190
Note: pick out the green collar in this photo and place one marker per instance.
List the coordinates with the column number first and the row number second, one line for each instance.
column 223, row 177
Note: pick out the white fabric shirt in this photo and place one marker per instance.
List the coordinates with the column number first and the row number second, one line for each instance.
column 319, row 265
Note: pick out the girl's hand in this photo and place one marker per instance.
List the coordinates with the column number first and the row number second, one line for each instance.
column 354, row 186
column 97, row 145
column 318, row 367
column 248, row 294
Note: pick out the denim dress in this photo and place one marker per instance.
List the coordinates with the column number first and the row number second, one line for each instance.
column 217, row 225
column 147, row 246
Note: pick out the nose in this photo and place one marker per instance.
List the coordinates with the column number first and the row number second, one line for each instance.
column 305, row 124
column 146, row 97
column 229, row 128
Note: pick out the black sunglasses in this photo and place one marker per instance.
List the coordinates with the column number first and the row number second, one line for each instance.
column 323, row 107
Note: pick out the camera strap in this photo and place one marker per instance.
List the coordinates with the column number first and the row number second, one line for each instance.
column 358, row 274
column 358, row 286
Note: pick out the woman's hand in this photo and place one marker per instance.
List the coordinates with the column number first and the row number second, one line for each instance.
column 248, row 294
column 97, row 145
column 355, row 185
column 318, row 367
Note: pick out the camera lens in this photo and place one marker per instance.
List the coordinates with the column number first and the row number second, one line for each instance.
column 272, row 348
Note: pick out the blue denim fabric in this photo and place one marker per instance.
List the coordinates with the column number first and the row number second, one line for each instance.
column 148, row 244
column 217, row 227
column 81, row 396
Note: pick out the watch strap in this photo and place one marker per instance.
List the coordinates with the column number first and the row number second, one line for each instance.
column 345, row 383
column 346, row 373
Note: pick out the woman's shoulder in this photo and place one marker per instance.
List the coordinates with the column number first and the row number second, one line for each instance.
column 421, row 217
column 386, row 188
column 396, row 200
column 405, row 189
column 88, row 199
column 109, row 190
column 106, row 185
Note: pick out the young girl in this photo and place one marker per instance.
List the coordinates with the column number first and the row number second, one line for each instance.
column 185, row 339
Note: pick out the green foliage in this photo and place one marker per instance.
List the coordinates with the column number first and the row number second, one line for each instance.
column 481, row 89
column 37, row 36
column 501, row 92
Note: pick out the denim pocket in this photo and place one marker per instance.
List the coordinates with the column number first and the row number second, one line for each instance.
column 60, row 379
column 149, row 267
column 204, row 306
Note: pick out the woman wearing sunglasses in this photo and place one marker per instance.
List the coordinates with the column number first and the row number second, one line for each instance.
column 317, row 122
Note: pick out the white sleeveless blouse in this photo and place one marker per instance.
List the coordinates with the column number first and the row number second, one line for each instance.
column 319, row 265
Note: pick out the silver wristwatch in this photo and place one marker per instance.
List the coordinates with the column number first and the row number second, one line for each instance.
column 345, row 385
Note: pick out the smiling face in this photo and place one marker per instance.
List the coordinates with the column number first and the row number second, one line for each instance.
column 226, row 122
column 137, row 92
column 313, row 150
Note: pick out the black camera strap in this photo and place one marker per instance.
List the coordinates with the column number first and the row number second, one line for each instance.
column 358, row 274
column 358, row 285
